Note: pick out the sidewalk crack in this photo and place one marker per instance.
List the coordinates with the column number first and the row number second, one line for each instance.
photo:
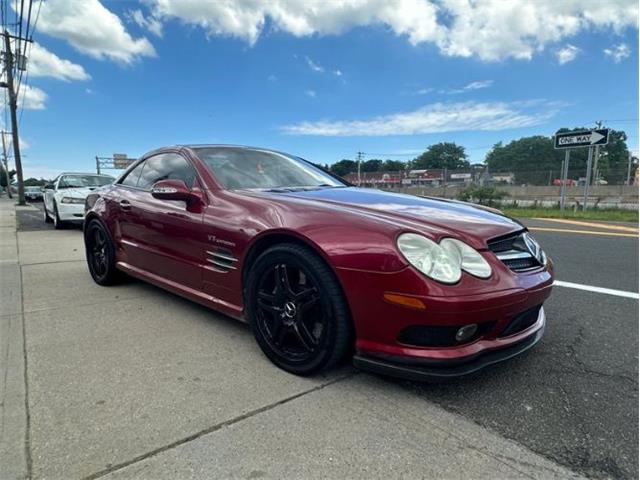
column 216, row 427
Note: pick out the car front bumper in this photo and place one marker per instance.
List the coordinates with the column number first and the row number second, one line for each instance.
column 507, row 309
column 416, row 369
column 71, row 212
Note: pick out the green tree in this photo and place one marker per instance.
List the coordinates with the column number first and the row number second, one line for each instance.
column 343, row 167
column 34, row 182
column 529, row 158
column 373, row 165
column 534, row 160
column 3, row 176
column 442, row 155
column 393, row 165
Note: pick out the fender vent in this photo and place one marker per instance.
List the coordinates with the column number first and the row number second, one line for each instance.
column 221, row 261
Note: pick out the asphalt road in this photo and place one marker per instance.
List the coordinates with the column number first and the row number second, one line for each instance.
column 574, row 398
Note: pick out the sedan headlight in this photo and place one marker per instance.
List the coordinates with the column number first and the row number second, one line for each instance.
column 429, row 257
column 443, row 262
column 469, row 259
column 72, row 200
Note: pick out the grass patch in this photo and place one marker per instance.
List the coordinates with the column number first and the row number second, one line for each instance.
column 612, row 214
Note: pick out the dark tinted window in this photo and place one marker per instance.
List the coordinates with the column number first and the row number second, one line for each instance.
column 132, row 177
column 168, row 166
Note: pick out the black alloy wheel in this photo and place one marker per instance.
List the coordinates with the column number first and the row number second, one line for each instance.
column 100, row 254
column 297, row 310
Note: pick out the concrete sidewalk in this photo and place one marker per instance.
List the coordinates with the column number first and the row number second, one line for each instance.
column 134, row 382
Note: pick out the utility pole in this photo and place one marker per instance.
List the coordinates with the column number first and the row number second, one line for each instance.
column 587, row 179
column 595, row 158
column 360, row 156
column 13, row 106
column 6, row 164
column 629, row 168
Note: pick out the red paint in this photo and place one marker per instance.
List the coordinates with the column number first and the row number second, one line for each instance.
column 165, row 242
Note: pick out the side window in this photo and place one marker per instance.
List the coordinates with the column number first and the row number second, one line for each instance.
column 132, row 177
column 168, row 166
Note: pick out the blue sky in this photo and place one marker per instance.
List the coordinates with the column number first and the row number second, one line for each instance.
column 132, row 76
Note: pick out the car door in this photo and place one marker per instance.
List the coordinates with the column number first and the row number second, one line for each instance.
column 163, row 237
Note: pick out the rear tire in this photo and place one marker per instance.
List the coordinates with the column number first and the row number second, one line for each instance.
column 297, row 310
column 101, row 254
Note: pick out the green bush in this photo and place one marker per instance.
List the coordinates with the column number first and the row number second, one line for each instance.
column 482, row 195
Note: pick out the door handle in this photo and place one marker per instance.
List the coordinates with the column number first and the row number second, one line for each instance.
column 125, row 205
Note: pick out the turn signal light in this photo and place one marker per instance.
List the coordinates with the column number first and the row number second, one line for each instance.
column 405, row 301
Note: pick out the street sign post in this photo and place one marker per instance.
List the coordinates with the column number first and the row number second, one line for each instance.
column 582, row 139
column 587, row 138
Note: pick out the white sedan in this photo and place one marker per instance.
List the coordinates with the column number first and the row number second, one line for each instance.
column 64, row 197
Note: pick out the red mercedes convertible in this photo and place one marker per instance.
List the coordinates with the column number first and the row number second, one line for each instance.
column 413, row 287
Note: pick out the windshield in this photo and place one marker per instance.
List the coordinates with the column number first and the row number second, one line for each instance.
column 238, row 168
column 80, row 181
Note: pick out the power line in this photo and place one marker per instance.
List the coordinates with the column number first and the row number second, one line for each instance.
column 26, row 81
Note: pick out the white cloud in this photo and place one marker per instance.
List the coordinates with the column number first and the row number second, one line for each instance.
column 92, row 29
column 567, row 54
column 618, row 52
column 491, row 30
column 424, row 91
column 32, row 98
column 477, row 85
column 438, row 117
column 316, row 67
column 149, row 23
column 246, row 19
column 337, row 73
column 43, row 63
column 311, row 93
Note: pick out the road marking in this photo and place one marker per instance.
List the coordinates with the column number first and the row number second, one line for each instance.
column 590, row 224
column 591, row 288
column 585, row 232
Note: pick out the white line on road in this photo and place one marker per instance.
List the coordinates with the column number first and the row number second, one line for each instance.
column 591, row 288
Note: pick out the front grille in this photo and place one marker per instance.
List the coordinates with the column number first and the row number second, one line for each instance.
column 439, row 336
column 521, row 322
column 513, row 251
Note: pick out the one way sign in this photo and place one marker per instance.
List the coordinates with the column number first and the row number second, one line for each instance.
column 582, row 139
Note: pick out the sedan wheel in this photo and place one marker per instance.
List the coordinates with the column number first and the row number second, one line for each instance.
column 100, row 254
column 47, row 218
column 57, row 223
column 297, row 310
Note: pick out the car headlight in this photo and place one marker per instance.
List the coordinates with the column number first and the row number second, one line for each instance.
column 469, row 259
column 429, row 257
column 72, row 200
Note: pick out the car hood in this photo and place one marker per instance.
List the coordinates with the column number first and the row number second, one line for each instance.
column 77, row 192
column 430, row 215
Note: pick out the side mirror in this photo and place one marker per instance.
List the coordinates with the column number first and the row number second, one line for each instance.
column 48, row 186
column 172, row 190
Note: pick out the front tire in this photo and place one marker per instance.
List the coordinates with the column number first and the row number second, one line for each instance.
column 47, row 218
column 297, row 310
column 101, row 254
column 57, row 223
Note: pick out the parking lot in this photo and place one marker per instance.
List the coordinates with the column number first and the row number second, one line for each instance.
column 132, row 381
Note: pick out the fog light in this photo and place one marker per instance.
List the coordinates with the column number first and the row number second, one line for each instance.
column 466, row 332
